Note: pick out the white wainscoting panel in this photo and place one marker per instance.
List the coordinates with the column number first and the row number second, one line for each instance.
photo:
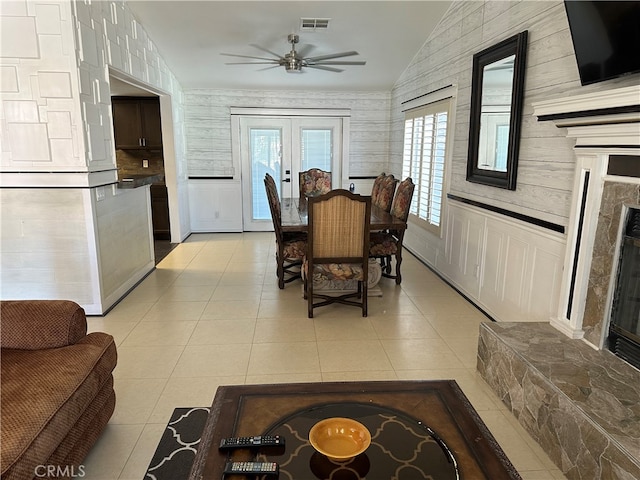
column 215, row 205
column 508, row 268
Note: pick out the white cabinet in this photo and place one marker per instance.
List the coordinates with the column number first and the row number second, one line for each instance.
column 215, row 205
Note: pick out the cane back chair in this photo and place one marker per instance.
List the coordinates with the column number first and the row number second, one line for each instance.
column 338, row 247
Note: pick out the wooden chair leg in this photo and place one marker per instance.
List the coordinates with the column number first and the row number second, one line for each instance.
column 398, row 262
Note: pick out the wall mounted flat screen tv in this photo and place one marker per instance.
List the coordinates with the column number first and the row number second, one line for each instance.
column 606, row 38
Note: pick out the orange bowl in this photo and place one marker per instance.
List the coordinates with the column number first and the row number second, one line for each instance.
column 339, row 438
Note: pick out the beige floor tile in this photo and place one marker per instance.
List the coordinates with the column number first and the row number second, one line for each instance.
column 128, row 310
column 160, row 333
column 213, row 360
column 109, row 455
column 333, row 328
column 280, row 330
column 138, row 461
column 189, row 392
column 136, row 399
column 170, row 311
column 189, row 278
column 278, row 308
column 118, row 329
column 284, row 378
column 403, row 326
column 420, row 354
column 223, row 310
column 212, row 314
column 283, row 358
column 237, row 292
column 191, row 293
column 224, row 332
column 146, row 361
column 353, row 356
column 360, row 376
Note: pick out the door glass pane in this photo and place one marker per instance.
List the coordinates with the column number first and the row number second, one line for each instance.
column 316, row 147
column 265, row 145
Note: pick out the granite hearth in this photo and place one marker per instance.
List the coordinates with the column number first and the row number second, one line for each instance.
column 580, row 404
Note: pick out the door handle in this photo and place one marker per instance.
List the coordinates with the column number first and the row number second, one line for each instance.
column 286, row 180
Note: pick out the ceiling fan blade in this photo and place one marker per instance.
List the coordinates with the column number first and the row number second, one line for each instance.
column 337, row 63
column 277, row 55
column 321, row 67
column 273, row 62
column 331, row 55
column 248, row 56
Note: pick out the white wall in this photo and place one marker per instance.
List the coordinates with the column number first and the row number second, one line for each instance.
column 57, row 149
column 546, row 163
column 208, row 125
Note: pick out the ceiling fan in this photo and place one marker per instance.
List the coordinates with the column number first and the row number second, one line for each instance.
column 294, row 61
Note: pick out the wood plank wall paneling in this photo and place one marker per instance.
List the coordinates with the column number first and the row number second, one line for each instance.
column 546, row 164
column 208, row 125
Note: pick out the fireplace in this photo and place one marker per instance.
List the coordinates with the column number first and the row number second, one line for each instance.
column 624, row 326
column 597, row 286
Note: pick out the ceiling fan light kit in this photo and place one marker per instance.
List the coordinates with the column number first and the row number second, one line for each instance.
column 294, row 62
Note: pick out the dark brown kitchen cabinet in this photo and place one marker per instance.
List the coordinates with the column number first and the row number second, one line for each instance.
column 136, row 122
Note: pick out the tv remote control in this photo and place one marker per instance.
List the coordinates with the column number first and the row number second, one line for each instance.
column 252, row 442
column 252, row 468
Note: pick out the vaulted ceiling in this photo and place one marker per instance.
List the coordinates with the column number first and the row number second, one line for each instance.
column 191, row 35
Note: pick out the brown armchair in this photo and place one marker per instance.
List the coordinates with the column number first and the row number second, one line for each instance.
column 290, row 247
column 338, row 246
column 384, row 245
column 56, row 387
column 314, row 182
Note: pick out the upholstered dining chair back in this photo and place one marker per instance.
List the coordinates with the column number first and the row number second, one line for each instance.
column 290, row 247
column 375, row 190
column 314, row 182
column 274, row 202
column 338, row 245
column 402, row 201
column 384, row 193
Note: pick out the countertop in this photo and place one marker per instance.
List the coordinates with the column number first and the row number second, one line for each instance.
column 135, row 181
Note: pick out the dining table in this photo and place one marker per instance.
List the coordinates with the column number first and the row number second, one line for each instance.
column 294, row 218
column 294, row 215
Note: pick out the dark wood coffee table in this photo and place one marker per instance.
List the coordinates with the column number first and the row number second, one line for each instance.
column 452, row 441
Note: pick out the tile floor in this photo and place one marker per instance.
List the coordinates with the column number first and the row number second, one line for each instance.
column 212, row 314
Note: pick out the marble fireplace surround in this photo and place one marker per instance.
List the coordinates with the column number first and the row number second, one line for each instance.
column 578, row 400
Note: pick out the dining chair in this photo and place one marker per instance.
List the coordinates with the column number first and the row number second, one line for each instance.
column 314, row 182
column 384, row 245
column 338, row 247
column 290, row 247
column 375, row 190
column 384, row 193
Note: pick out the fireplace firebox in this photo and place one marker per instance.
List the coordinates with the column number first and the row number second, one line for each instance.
column 624, row 328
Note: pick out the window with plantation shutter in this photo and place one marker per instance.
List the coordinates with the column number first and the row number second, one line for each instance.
column 425, row 140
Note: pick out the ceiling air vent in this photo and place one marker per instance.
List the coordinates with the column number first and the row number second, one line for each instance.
column 314, row 24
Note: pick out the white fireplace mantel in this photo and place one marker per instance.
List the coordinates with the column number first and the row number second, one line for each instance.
column 602, row 123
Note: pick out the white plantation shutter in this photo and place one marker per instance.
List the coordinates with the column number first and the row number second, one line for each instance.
column 425, row 139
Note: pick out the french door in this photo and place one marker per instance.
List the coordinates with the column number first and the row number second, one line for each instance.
column 283, row 147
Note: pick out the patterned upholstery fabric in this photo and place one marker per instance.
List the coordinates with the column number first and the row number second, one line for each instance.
column 382, row 244
column 402, row 200
column 336, row 271
column 295, row 247
column 375, row 190
column 314, row 182
column 385, row 193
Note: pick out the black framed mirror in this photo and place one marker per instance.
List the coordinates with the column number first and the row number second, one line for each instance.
column 497, row 90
